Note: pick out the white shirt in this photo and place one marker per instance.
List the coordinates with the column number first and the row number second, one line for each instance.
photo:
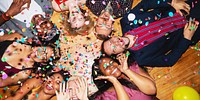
column 26, row 15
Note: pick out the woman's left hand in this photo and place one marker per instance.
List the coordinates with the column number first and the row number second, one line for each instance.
column 123, row 61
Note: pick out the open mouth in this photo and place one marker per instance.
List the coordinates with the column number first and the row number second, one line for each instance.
column 49, row 87
column 114, row 71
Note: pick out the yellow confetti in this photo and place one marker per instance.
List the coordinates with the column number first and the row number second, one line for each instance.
column 24, row 30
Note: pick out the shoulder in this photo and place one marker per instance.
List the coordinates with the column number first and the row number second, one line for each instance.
column 34, row 82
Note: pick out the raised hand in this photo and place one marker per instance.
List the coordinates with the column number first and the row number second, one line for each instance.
column 17, row 6
column 190, row 28
column 82, row 90
column 180, row 5
column 63, row 94
column 123, row 61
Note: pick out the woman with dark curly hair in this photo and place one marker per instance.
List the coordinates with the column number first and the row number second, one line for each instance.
column 115, row 80
column 39, row 88
column 18, row 60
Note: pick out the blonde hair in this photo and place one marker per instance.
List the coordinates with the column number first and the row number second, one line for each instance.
column 84, row 30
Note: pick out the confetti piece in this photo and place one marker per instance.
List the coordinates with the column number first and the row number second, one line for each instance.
column 171, row 14
column 4, row 59
column 146, row 23
column 1, row 32
column 135, row 22
column 8, row 67
column 4, row 76
column 131, row 17
column 24, row 30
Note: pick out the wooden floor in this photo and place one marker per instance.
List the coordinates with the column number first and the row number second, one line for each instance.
column 186, row 72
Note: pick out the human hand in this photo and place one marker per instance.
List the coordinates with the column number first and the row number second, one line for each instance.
column 112, row 79
column 180, row 5
column 190, row 28
column 17, row 6
column 122, row 57
column 64, row 93
column 82, row 90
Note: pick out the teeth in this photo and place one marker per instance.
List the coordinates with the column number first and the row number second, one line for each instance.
column 114, row 70
column 49, row 86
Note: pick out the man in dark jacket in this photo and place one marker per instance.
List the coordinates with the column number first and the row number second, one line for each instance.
column 156, row 49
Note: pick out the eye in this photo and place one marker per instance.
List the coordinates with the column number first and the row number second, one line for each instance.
column 58, row 82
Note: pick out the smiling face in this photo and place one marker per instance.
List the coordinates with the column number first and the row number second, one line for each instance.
column 44, row 28
column 41, row 54
column 52, row 84
column 116, row 45
column 109, row 67
column 76, row 18
column 104, row 24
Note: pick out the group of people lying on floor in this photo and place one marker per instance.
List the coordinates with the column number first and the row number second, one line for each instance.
column 155, row 33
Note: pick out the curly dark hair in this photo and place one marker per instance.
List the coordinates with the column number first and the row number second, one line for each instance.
column 103, row 85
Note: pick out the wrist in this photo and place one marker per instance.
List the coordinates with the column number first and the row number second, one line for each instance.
column 5, row 16
column 126, row 71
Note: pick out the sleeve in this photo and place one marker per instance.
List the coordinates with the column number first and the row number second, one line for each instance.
column 168, row 59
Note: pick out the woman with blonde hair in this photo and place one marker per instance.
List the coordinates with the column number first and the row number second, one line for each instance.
column 76, row 20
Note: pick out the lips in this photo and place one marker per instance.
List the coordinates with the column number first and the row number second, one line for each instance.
column 49, row 87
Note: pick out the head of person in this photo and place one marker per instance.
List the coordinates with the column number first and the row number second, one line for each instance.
column 108, row 66
column 104, row 24
column 73, row 84
column 45, row 30
column 105, row 66
column 53, row 81
column 116, row 45
column 50, row 53
column 78, row 22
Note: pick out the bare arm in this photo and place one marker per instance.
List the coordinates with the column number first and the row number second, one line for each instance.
column 15, row 8
column 121, row 93
column 141, row 79
column 26, row 87
column 21, row 76
column 11, row 36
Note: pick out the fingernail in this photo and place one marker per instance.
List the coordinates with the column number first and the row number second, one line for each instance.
column 197, row 22
column 193, row 19
column 190, row 19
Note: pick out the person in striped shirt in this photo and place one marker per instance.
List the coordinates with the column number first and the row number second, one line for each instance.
column 157, row 35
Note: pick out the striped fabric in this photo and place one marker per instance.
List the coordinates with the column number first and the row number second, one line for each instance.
column 151, row 32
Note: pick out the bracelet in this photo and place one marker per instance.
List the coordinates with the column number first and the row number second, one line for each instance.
column 5, row 16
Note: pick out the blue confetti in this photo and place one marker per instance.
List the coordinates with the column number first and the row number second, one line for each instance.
column 37, row 95
column 146, row 23
column 171, row 14
column 135, row 22
column 158, row 2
